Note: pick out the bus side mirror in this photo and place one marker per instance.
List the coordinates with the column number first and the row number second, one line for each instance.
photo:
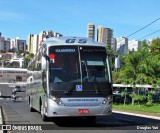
column 44, row 63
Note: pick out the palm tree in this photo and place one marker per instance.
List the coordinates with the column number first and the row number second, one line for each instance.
column 130, row 71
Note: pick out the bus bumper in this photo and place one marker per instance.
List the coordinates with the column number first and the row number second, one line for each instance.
column 54, row 110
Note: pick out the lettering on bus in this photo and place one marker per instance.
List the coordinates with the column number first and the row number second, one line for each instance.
column 93, row 50
column 82, row 100
column 65, row 50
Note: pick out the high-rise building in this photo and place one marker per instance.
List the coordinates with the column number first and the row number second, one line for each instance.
column 46, row 34
column 134, row 45
column 7, row 45
column 114, row 44
column 2, row 40
column 91, row 31
column 34, row 40
column 104, row 35
column 30, row 42
column 122, row 45
column 33, row 43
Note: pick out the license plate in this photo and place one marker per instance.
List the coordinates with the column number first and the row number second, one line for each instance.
column 83, row 111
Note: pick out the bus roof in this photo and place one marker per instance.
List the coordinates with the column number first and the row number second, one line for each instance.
column 72, row 41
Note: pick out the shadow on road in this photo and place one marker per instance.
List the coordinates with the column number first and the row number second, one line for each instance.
column 72, row 122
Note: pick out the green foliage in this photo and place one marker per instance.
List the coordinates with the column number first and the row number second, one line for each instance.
column 149, row 99
column 154, row 109
column 27, row 59
column 140, row 67
column 155, row 47
column 111, row 55
column 19, row 51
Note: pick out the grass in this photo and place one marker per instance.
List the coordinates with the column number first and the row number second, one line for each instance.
column 154, row 109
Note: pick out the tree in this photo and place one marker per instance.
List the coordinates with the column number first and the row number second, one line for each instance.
column 155, row 47
column 27, row 59
column 129, row 71
column 111, row 55
column 155, row 51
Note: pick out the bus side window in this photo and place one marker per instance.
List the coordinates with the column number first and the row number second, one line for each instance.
column 44, row 82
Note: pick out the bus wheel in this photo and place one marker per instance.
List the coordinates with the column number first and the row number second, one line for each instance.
column 30, row 106
column 43, row 116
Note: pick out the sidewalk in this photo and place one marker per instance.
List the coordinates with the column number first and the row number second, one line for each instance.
column 135, row 114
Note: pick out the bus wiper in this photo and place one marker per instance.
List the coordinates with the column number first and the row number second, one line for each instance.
column 96, row 89
column 69, row 89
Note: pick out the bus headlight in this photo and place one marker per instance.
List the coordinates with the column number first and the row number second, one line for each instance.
column 107, row 100
column 104, row 102
column 57, row 100
column 109, row 97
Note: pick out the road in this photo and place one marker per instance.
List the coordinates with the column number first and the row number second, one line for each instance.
column 17, row 113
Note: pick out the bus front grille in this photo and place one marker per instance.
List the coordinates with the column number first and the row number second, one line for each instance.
column 82, row 104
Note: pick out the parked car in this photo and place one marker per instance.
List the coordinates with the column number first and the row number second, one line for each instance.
column 17, row 88
column 118, row 98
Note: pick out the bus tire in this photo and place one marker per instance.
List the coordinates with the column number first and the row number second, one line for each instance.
column 43, row 116
column 31, row 109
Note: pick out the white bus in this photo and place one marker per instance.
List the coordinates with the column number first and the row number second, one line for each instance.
column 60, row 82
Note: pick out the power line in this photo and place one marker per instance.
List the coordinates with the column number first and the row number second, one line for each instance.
column 143, row 27
column 149, row 34
column 145, row 36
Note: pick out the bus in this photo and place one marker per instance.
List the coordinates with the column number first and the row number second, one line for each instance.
column 59, row 83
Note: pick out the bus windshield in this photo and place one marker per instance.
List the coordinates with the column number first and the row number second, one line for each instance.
column 94, row 64
column 64, row 64
column 72, row 66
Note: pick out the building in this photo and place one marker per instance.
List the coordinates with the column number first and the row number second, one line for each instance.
column 10, row 59
column 30, row 43
column 150, row 41
column 134, row 45
column 114, row 44
column 46, row 34
column 91, row 31
column 13, row 75
column 17, row 45
column 104, row 35
column 122, row 45
column 21, row 45
column 6, row 45
column 35, row 40
column 2, row 40
column 16, row 62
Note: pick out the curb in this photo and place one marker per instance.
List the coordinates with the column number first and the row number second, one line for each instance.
column 134, row 114
column 1, row 119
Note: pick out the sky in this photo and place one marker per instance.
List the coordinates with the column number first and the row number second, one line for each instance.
column 19, row 18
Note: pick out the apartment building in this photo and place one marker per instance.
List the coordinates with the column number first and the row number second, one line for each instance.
column 104, row 35
column 35, row 40
column 114, row 44
column 17, row 45
column 122, row 45
column 2, row 39
column 134, row 45
column 91, row 31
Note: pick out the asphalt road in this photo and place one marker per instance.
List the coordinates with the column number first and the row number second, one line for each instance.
column 18, row 114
